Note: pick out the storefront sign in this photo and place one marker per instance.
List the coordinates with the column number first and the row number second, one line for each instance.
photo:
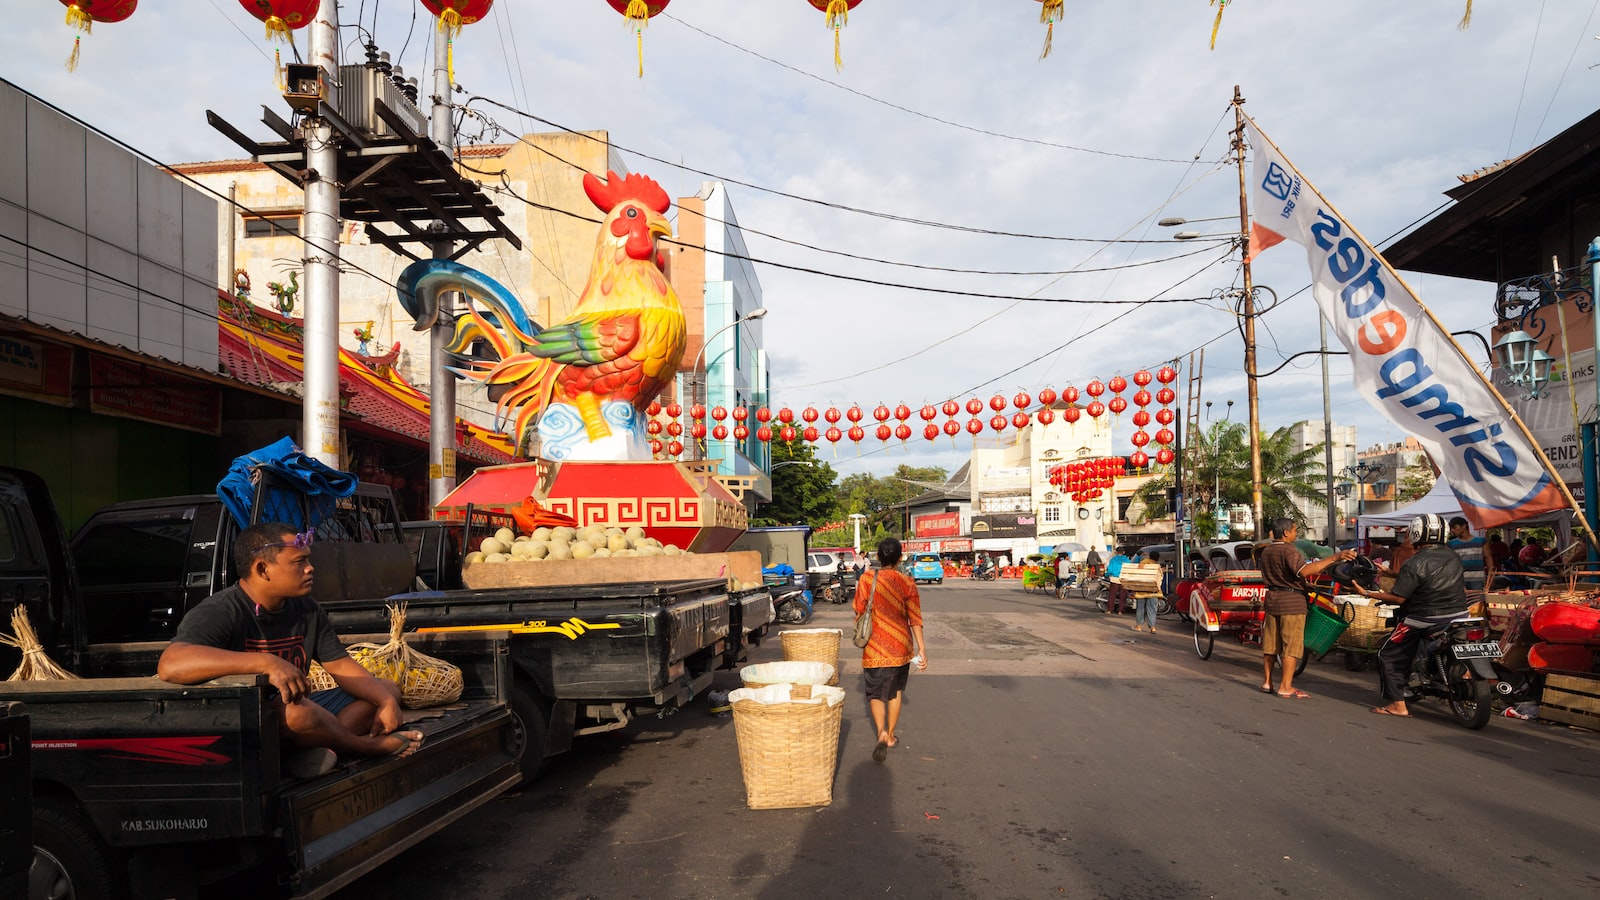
column 955, row 546
column 137, row 391
column 35, row 369
column 937, row 525
column 1005, row 526
column 916, row 546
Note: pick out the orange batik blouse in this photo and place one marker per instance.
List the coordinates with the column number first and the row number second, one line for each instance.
column 896, row 609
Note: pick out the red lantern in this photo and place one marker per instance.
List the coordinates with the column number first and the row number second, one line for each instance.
column 1021, row 400
column 697, row 411
column 1141, row 418
column 952, row 427
column 974, row 426
column 639, row 14
column 698, row 430
column 741, row 432
column 452, row 14
column 951, row 408
column 838, row 12
column 1046, row 416
column 674, row 448
column 1141, row 377
column 1140, row 438
column 1047, row 397
column 652, row 427
column 1165, row 416
column 903, row 431
column 974, row 406
column 1165, row 456
column 655, row 448
column 786, row 415
column 854, row 414
column 998, row 423
column 1142, row 398
column 997, row 403
column 1139, row 460
column 674, row 410
column 281, row 16
column 810, row 434
column 764, row 434
column 1095, row 388
column 1165, row 436
column 1165, row 396
column 883, row 432
column 928, row 413
column 1097, row 409
column 856, row 433
column 1020, row 420
column 881, row 413
column 1118, row 384
column 788, row 433
column 719, row 433
column 1070, row 394
column 763, row 415
column 654, row 409
column 810, row 414
column 902, row 412
column 931, row 432
column 718, row 413
column 833, row 435
column 832, row 415
column 1071, row 414
column 1167, row 375
column 674, row 428
column 1117, row 405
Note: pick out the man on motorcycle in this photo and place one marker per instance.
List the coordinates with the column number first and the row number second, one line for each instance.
column 1431, row 590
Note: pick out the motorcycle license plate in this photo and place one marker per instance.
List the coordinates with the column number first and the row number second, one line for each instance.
column 1480, row 650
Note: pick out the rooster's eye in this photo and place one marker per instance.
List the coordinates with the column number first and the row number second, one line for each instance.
column 633, row 213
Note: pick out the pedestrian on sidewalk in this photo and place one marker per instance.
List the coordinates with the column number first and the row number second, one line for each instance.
column 896, row 640
column 1283, row 632
column 1115, row 596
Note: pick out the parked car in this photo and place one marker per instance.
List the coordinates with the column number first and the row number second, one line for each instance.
column 927, row 567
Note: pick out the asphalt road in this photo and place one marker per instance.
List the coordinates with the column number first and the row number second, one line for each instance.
column 1048, row 751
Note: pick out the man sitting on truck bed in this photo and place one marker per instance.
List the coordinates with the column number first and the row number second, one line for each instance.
column 267, row 624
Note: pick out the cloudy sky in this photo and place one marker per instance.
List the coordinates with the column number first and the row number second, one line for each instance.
column 944, row 127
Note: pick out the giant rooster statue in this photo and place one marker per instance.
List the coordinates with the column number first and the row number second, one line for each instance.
column 589, row 379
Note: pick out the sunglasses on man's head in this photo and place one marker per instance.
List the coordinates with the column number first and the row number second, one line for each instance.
column 300, row 541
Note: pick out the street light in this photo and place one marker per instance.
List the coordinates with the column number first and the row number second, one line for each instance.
column 1175, row 221
column 1360, row 474
column 855, row 519
column 1527, row 365
column 696, row 381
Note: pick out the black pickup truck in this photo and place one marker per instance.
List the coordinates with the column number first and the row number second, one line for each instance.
column 584, row 659
column 150, row 789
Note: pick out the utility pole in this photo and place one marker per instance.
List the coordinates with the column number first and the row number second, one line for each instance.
column 1327, row 430
column 319, row 416
column 441, row 382
column 1248, row 306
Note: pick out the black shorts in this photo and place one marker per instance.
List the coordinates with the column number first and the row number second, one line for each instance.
column 887, row 682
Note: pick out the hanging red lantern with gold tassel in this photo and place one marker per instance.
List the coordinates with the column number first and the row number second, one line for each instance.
column 639, row 13
column 282, row 18
column 838, row 12
column 82, row 14
column 1050, row 12
column 451, row 16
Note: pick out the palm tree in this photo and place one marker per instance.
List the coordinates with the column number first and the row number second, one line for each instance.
column 1219, row 468
column 1289, row 474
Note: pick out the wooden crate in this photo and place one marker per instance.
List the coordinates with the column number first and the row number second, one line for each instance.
column 742, row 567
column 1141, row 578
column 1571, row 700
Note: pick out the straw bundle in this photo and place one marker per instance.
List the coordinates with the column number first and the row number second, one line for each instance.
column 36, row 666
column 424, row 681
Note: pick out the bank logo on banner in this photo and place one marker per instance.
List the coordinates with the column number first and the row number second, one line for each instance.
column 1405, row 365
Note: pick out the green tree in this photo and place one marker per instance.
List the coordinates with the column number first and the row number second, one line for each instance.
column 1289, row 474
column 1219, row 467
column 1416, row 481
column 803, row 490
column 882, row 499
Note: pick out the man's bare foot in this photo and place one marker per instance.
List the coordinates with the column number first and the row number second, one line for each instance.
column 893, row 740
column 402, row 743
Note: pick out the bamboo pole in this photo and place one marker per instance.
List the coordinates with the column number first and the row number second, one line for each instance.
column 1504, row 404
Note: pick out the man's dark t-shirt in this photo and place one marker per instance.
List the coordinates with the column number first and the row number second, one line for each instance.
column 230, row 620
column 1433, row 583
column 1280, row 567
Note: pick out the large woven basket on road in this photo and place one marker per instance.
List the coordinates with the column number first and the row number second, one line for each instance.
column 788, row 744
column 803, row 675
column 813, row 645
column 1369, row 627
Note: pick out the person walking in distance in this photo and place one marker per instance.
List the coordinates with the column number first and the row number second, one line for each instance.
column 1116, row 595
column 1283, row 632
column 896, row 641
column 1471, row 551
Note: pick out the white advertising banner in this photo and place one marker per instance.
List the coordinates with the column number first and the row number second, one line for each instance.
column 1406, row 365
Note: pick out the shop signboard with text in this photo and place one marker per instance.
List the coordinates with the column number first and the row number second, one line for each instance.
column 1005, row 525
column 945, row 524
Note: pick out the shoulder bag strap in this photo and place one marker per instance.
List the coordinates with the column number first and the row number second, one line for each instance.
column 876, row 574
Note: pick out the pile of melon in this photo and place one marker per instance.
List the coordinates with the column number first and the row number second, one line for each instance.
column 588, row 542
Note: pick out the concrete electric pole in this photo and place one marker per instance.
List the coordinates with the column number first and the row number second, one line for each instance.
column 319, row 422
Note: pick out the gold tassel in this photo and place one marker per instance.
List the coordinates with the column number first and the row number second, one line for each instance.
column 72, row 61
column 79, row 19
column 277, row 29
column 1050, row 12
column 450, row 61
column 838, row 17
column 1049, row 39
column 277, row 71
column 639, row 16
column 450, row 22
column 1221, row 5
column 1466, row 20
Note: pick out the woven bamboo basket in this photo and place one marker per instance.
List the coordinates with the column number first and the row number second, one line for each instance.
column 813, row 645
column 424, row 681
column 788, row 749
column 1368, row 627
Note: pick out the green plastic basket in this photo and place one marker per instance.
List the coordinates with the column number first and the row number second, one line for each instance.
column 1322, row 630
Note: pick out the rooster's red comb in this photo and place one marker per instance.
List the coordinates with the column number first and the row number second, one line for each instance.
column 607, row 194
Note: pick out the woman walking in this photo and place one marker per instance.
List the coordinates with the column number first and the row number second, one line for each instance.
column 896, row 640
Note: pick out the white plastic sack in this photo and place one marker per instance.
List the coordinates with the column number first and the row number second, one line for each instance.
column 812, row 631
column 779, row 693
column 788, row 671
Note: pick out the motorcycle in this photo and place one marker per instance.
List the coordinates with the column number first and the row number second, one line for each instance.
column 983, row 574
column 838, row 588
column 793, row 607
column 1455, row 663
